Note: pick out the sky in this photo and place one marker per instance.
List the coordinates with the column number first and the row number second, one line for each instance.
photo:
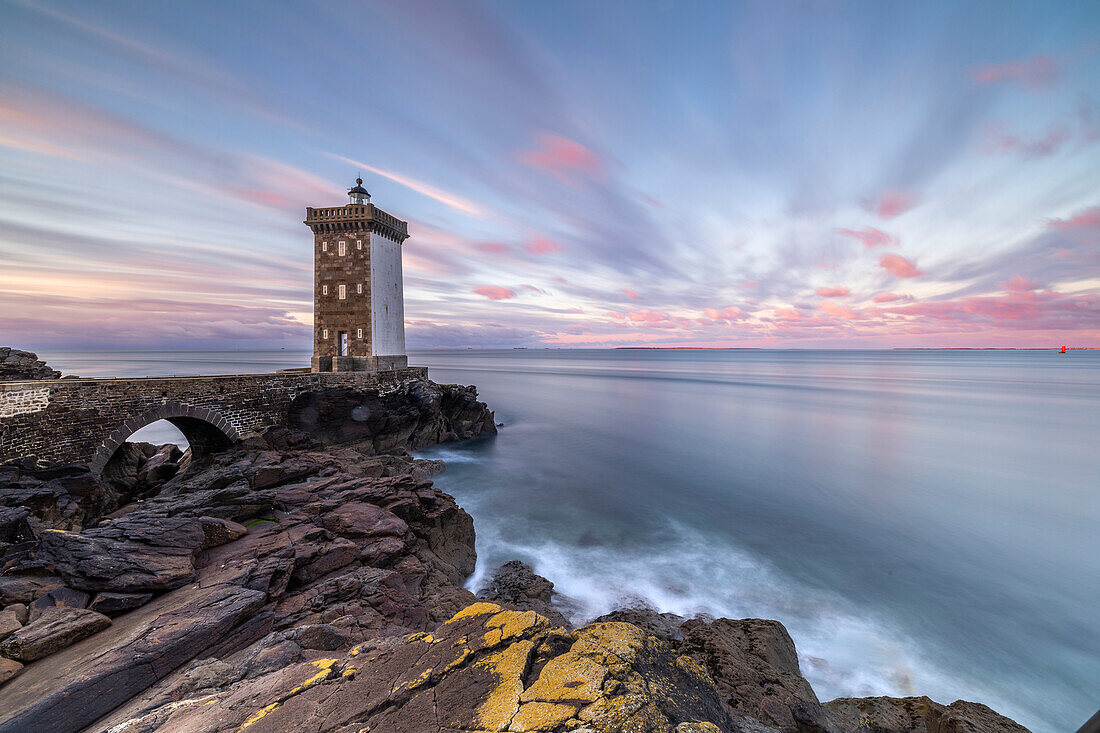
column 591, row 174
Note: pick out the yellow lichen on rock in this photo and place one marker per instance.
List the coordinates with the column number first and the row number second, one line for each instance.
column 541, row 716
column 481, row 608
column 256, row 716
column 326, row 671
column 507, row 667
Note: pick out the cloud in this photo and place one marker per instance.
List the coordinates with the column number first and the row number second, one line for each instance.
column 562, row 158
column 1036, row 72
column 495, row 292
column 833, row 292
column 869, row 236
column 630, row 294
column 996, row 140
column 892, row 203
column 789, row 314
column 890, row 297
column 496, row 248
column 544, row 246
column 898, row 266
column 1084, row 225
column 840, row 311
column 731, row 313
column 1020, row 284
column 447, row 198
column 647, row 316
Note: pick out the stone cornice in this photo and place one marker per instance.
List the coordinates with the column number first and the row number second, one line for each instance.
column 357, row 218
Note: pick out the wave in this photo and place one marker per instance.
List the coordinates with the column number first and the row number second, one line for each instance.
column 843, row 651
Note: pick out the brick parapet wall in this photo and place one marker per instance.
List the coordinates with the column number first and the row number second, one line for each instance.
column 76, row 420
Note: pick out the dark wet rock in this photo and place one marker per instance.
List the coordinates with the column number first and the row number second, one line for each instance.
column 918, row 715
column 111, row 604
column 755, row 666
column 61, row 497
column 664, row 626
column 414, row 415
column 26, row 588
column 16, row 364
column 58, row 598
column 55, row 628
column 516, row 585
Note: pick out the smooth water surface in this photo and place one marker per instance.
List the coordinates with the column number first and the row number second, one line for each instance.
column 924, row 522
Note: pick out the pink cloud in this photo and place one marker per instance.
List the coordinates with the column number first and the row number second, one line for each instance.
column 647, row 316
column 544, row 246
column 496, row 248
column 893, row 203
column 495, row 292
column 869, row 236
column 833, row 292
column 1034, row 73
column 562, row 158
column 1084, row 225
column 889, row 297
column 533, row 289
column 630, row 294
column 840, row 311
column 730, row 313
column 996, row 140
column 787, row 314
column 898, row 266
column 1019, row 284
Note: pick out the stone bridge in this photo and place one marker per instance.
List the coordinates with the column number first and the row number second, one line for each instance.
column 86, row 420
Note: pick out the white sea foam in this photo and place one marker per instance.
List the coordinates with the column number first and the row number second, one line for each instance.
column 843, row 651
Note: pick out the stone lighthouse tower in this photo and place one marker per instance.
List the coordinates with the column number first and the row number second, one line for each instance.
column 358, row 305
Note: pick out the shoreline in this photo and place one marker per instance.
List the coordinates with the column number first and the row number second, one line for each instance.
column 712, row 659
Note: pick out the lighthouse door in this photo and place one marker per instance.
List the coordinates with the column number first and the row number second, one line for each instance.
column 342, row 343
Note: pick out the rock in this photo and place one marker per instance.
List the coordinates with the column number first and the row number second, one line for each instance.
column 754, row 664
column 414, row 415
column 111, row 604
column 515, row 585
column 8, row 669
column 664, row 626
column 358, row 519
column 22, row 613
column 17, row 365
column 58, row 598
column 26, row 588
column 219, row 531
column 9, row 623
column 918, row 714
column 317, row 636
column 54, row 629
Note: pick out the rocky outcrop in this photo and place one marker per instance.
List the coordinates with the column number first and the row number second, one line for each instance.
column 918, row 715
column 18, row 365
column 515, row 585
column 414, row 415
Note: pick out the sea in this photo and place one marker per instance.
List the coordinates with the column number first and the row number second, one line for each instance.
column 923, row 522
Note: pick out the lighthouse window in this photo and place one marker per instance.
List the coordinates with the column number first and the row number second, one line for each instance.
column 359, row 288
column 324, row 290
column 359, row 244
column 342, row 249
column 343, row 291
column 358, row 333
column 324, row 334
column 324, row 246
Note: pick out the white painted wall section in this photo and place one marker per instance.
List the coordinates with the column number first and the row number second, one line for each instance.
column 387, row 300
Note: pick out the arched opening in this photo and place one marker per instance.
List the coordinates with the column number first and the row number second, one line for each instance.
column 203, row 430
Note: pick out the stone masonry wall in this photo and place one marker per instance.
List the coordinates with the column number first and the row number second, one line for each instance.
column 84, row 420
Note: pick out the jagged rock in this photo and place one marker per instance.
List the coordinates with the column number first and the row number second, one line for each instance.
column 755, row 666
column 61, row 497
column 664, row 626
column 16, row 365
column 918, row 715
column 54, row 629
column 8, row 669
column 111, row 604
column 414, row 415
column 516, row 585
column 58, row 598
column 22, row 613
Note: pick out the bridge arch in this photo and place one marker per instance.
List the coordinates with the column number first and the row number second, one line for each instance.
column 206, row 430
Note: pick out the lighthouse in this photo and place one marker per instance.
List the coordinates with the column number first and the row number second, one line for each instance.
column 358, row 299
